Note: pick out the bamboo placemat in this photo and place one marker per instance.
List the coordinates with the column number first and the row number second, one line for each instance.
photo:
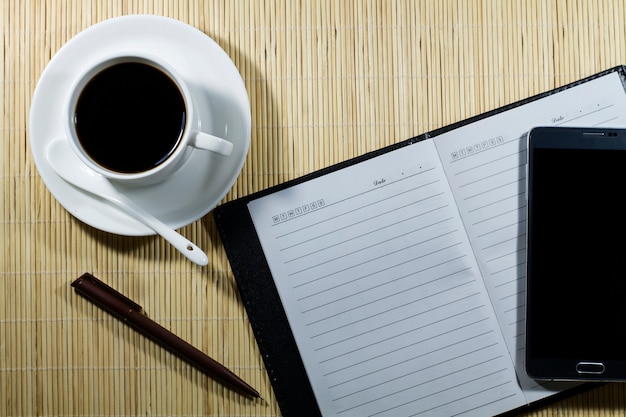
column 327, row 80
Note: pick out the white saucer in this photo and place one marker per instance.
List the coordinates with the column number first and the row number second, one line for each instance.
column 204, row 180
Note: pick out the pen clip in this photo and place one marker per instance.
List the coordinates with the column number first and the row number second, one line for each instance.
column 104, row 296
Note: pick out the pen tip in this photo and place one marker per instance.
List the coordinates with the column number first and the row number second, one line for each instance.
column 253, row 392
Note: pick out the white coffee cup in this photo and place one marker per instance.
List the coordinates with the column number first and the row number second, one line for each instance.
column 132, row 118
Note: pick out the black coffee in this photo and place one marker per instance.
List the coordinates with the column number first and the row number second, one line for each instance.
column 130, row 117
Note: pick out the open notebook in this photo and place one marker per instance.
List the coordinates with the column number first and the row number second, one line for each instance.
column 393, row 284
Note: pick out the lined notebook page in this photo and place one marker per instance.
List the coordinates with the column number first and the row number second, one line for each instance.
column 485, row 163
column 383, row 293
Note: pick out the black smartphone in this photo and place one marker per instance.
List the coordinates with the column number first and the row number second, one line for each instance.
column 576, row 254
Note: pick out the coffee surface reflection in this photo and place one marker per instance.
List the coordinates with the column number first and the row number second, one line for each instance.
column 130, row 117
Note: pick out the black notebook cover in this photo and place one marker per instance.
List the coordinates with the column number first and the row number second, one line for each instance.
column 255, row 282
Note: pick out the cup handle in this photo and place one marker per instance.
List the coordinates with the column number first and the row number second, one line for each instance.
column 212, row 143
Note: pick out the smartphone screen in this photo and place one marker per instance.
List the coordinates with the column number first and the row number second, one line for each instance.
column 576, row 253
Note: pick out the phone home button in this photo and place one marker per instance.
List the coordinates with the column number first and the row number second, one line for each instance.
column 590, row 368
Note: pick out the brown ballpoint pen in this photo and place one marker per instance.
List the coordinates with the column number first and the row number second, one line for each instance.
column 131, row 313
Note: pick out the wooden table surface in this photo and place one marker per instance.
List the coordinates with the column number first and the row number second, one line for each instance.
column 327, row 81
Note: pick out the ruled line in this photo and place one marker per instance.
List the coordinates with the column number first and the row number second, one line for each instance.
column 343, row 340
column 360, row 207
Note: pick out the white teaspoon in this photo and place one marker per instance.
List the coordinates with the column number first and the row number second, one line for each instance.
column 67, row 165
